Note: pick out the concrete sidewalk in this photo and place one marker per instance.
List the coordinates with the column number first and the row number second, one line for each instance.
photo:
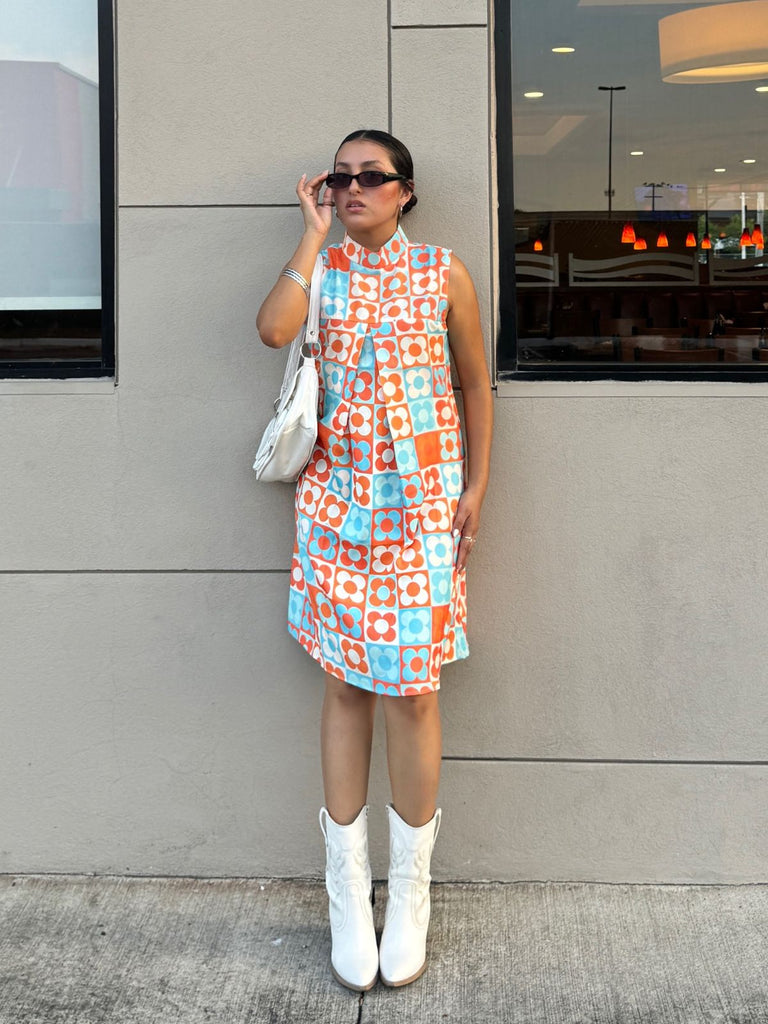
column 139, row 950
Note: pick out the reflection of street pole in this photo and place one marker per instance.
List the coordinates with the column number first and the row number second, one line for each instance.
column 653, row 185
column 611, row 89
column 743, row 248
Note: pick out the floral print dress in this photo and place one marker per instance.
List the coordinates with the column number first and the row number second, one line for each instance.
column 374, row 595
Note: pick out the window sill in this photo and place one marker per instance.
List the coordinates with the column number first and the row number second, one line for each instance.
column 71, row 386
column 630, row 389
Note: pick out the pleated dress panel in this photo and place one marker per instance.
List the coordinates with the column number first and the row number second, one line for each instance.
column 375, row 597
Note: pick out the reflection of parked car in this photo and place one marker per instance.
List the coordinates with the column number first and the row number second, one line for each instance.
column 728, row 246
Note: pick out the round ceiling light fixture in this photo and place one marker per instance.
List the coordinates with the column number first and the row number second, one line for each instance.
column 533, row 95
column 563, row 49
column 719, row 43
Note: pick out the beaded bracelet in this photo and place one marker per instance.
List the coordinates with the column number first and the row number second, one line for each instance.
column 298, row 278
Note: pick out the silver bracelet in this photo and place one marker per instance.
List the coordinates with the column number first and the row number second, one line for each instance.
column 297, row 277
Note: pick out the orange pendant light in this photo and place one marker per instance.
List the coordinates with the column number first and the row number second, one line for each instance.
column 662, row 242
column 757, row 237
column 690, row 240
column 628, row 233
column 746, row 239
column 538, row 245
column 706, row 242
column 640, row 243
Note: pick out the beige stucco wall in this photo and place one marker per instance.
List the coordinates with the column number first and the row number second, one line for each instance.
column 611, row 721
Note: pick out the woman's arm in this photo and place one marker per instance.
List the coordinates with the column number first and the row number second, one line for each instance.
column 466, row 341
column 285, row 308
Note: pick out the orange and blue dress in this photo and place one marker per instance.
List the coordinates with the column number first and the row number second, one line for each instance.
column 375, row 596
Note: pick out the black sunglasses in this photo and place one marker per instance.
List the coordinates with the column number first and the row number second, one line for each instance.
column 367, row 179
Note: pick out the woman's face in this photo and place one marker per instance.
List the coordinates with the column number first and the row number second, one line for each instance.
column 367, row 209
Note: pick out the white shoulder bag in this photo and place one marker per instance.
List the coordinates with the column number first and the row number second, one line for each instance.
column 291, row 433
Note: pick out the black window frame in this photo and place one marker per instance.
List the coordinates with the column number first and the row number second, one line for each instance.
column 507, row 367
column 62, row 369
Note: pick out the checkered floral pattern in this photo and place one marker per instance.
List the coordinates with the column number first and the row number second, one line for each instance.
column 375, row 596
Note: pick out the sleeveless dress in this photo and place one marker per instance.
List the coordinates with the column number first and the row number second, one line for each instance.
column 374, row 594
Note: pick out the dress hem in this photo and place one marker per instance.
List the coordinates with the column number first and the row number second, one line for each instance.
column 383, row 687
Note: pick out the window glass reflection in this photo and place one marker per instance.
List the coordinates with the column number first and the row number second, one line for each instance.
column 640, row 201
column 50, row 247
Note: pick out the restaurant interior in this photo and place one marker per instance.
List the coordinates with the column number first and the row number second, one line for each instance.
column 639, row 182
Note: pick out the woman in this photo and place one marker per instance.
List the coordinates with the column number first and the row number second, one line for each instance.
column 386, row 516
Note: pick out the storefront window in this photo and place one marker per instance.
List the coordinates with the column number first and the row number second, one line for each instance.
column 633, row 224
column 53, row 256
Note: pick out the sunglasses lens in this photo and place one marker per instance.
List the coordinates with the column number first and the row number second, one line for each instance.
column 371, row 179
column 339, row 180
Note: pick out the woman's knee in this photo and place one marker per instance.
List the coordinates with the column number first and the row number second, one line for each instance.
column 413, row 708
column 344, row 695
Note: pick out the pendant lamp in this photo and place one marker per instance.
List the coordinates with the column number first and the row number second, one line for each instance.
column 716, row 43
column 640, row 243
column 538, row 245
column 757, row 237
column 706, row 242
column 690, row 240
column 746, row 239
column 628, row 233
column 662, row 242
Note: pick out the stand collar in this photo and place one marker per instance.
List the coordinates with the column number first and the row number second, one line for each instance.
column 385, row 258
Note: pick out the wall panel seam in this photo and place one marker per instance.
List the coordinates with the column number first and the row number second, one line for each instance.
column 603, row 760
column 468, row 24
column 390, row 112
column 207, row 206
column 143, row 572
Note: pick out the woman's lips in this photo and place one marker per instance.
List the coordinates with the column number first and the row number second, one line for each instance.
column 355, row 206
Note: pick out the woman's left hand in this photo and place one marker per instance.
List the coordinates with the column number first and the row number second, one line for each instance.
column 466, row 523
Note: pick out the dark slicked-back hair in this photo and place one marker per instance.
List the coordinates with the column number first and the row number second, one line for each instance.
column 402, row 160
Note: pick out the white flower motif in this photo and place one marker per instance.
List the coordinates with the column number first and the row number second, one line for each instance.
column 350, row 586
column 413, row 589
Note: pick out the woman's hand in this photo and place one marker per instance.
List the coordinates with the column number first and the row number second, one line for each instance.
column 317, row 215
column 466, row 523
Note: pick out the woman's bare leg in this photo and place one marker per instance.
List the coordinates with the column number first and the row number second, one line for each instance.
column 414, row 748
column 346, row 734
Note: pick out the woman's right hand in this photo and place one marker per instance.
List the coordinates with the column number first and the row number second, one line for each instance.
column 317, row 215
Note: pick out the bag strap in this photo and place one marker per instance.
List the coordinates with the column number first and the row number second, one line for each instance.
column 308, row 333
column 313, row 316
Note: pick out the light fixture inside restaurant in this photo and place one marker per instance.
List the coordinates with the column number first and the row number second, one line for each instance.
column 533, row 95
column 690, row 240
column 662, row 242
column 563, row 49
column 746, row 239
column 750, row 161
column 757, row 237
column 761, row 88
column 636, row 152
column 538, row 245
column 706, row 242
column 717, row 43
column 628, row 234
column 720, row 170
column 640, row 243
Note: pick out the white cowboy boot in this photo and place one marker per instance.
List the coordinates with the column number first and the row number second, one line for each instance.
column 403, row 950
column 354, row 956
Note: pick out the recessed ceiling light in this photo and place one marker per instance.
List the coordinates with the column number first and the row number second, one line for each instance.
column 749, row 161
column 563, row 49
column 720, row 170
column 637, row 152
column 761, row 88
column 533, row 95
